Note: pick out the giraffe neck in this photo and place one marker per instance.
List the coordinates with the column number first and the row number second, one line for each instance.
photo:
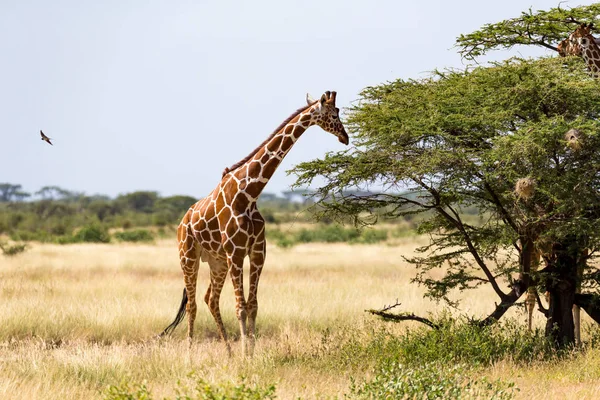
column 591, row 55
column 254, row 175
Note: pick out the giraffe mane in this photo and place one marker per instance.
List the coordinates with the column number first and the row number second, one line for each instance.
column 260, row 146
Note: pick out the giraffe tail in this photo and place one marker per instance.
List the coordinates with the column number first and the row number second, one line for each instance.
column 180, row 314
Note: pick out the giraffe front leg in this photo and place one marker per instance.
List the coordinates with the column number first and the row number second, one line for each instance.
column 257, row 260
column 236, row 265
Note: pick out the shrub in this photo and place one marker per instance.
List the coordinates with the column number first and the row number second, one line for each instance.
column 194, row 389
column 161, row 218
column 12, row 250
column 430, row 381
column 370, row 236
column 92, row 234
column 137, row 235
column 460, row 341
column 328, row 234
column 28, row 236
column 280, row 238
column 125, row 391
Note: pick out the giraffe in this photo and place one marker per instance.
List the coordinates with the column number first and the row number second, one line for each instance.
column 581, row 43
column 226, row 226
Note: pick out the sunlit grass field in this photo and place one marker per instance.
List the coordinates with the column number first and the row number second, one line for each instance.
column 75, row 319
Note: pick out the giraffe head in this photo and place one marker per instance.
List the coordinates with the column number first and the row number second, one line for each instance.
column 580, row 40
column 327, row 115
column 572, row 45
column 569, row 47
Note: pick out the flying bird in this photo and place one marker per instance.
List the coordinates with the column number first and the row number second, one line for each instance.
column 46, row 138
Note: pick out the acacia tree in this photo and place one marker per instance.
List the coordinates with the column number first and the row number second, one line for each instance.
column 464, row 139
column 540, row 28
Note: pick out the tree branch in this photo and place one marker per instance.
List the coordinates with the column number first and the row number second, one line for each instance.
column 504, row 305
column 402, row 316
column 496, row 200
column 458, row 224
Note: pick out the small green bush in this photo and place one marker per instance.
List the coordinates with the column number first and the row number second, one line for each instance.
column 328, row 234
column 125, row 391
column 370, row 236
column 28, row 236
column 194, row 388
column 12, row 250
column 137, row 235
column 429, row 381
column 280, row 238
column 92, row 234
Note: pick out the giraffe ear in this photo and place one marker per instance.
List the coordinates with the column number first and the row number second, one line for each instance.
column 323, row 99
column 309, row 99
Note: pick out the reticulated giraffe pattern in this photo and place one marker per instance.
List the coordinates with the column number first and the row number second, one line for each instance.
column 226, row 226
column 581, row 43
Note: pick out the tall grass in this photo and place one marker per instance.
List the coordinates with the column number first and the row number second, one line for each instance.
column 80, row 319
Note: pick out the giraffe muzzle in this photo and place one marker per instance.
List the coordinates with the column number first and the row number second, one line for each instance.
column 343, row 138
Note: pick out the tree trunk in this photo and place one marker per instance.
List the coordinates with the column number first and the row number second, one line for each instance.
column 560, row 328
column 561, row 282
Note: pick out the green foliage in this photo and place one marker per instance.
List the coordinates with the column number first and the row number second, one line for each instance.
column 369, row 236
column 194, row 388
column 12, row 250
column 136, row 235
column 142, row 201
column 460, row 140
column 463, row 342
column 327, row 234
column 430, row 381
column 127, row 391
column 91, row 234
column 533, row 28
column 455, row 342
column 9, row 192
column 59, row 213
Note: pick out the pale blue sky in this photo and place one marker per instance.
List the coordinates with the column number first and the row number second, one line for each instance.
column 162, row 95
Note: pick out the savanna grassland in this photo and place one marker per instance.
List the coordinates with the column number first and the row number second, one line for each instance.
column 76, row 319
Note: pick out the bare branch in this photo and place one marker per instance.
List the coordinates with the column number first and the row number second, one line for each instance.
column 403, row 317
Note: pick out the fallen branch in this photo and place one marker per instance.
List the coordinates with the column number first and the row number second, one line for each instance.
column 383, row 313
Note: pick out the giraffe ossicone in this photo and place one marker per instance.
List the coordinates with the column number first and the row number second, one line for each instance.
column 225, row 227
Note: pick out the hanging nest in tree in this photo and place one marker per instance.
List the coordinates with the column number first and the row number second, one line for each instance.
column 525, row 188
column 574, row 139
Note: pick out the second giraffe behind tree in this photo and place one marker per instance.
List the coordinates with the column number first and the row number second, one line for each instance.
column 226, row 226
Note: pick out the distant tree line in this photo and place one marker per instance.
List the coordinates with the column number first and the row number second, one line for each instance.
column 52, row 213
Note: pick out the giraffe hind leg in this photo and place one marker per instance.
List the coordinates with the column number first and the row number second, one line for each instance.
column 190, row 270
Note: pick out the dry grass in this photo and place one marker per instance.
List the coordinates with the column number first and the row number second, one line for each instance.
column 80, row 317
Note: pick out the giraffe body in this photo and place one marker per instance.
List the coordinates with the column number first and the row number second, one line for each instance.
column 226, row 227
